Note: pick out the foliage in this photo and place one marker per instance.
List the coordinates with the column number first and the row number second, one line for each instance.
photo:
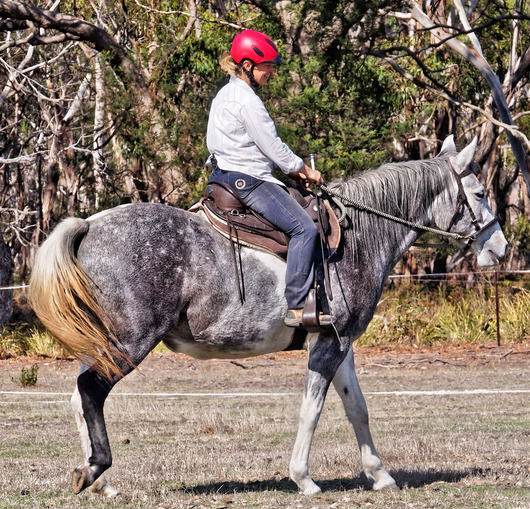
column 18, row 339
column 343, row 121
column 360, row 84
column 518, row 234
column 416, row 314
column 28, row 376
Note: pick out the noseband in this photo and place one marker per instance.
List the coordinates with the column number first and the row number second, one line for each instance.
column 462, row 201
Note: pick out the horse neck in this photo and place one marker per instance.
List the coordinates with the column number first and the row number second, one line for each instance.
column 405, row 190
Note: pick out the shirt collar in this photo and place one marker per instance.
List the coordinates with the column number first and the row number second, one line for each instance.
column 240, row 83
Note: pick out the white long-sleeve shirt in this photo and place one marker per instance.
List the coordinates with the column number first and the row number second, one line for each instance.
column 242, row 135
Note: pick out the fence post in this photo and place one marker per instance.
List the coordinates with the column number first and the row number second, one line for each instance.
column 496, row 279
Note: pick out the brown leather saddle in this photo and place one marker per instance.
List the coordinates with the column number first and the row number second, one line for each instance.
column 222, row 206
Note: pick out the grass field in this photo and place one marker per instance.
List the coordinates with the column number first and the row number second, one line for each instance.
column 452, row 450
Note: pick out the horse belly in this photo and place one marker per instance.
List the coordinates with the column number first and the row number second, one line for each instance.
column 238, row 329
column 274, row 340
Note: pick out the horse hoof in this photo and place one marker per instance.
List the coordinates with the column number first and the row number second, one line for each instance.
column 80, row 479
column 311, row 490
column 308, row 487
column 102, row 487
column 387, row 484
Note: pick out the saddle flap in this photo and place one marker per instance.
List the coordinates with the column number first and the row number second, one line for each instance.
column 308, row 201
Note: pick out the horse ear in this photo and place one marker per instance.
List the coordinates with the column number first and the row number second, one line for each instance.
column 464, row 158
column 448, row 145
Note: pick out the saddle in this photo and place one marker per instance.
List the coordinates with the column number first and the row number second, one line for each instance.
column 228, row 213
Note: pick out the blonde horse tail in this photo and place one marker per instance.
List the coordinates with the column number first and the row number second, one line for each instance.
column 65, row 302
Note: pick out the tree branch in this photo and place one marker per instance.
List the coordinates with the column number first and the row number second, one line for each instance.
column 513, row 129
column 75, row 27
column 496, row 88
column 12, row 25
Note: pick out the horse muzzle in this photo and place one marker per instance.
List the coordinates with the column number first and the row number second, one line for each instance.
column 493, row 250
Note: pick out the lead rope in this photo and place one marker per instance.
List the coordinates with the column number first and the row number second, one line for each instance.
column 366, row 208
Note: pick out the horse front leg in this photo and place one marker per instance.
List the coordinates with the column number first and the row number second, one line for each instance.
column 87, row 403
column 347, row 386
column 324, row 359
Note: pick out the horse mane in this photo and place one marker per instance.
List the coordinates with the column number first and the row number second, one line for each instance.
column 403, row 189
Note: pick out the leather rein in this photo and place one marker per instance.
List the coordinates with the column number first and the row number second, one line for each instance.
column 462, row 201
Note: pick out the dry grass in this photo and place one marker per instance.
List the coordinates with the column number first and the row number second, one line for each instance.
column 454, row 451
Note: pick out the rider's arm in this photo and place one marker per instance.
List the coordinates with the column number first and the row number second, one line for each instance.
column 261, row 129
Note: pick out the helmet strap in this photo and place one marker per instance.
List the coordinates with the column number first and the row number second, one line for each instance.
column 250, row 74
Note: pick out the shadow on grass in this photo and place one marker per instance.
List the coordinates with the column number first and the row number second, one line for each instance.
column 420, row 478
column 404, row 479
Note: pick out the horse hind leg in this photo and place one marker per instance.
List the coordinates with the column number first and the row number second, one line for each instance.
column 347, row 386
column 87, row 403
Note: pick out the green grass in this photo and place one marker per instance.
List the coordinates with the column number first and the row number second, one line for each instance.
column 22, row 340
column 414, row 314
column 28, row 376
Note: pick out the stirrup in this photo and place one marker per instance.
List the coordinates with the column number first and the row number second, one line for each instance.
column 314, row 320
column 296, row 318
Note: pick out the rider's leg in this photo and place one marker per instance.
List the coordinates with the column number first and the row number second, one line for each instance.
column 281, row 209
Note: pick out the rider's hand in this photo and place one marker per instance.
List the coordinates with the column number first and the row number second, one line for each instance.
column 308, row 176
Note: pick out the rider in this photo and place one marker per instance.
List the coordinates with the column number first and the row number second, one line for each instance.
column 245, row 148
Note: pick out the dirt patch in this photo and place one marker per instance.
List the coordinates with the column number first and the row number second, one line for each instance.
column 278, row 371
column 462, row 355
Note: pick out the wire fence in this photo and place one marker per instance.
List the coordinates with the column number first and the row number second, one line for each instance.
column 469, row 278
column 16, row 287
column 442, row 277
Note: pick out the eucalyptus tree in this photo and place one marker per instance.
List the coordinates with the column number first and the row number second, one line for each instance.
column 83, row 124
column 105, row 102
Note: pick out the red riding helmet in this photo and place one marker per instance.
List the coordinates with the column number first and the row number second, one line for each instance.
column 255, row 46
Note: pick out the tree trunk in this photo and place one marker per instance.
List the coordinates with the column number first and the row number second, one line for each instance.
column 6, row 279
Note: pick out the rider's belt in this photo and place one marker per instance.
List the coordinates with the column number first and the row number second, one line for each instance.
column 241, row 182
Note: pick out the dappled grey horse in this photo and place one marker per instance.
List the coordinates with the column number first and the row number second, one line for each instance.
column 111, row 287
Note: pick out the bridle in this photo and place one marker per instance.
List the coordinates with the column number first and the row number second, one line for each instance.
column 462, row 201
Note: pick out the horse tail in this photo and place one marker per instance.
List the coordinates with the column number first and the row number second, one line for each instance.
column 65, row 302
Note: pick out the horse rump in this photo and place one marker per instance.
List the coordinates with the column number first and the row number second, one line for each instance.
column 65, row 302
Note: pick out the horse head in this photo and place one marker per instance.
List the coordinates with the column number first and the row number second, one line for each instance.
column 471, row 216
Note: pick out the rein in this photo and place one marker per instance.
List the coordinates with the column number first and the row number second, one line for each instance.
column 462, row 200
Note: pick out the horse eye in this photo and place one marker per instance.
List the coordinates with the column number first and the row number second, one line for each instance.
column 480, row 195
